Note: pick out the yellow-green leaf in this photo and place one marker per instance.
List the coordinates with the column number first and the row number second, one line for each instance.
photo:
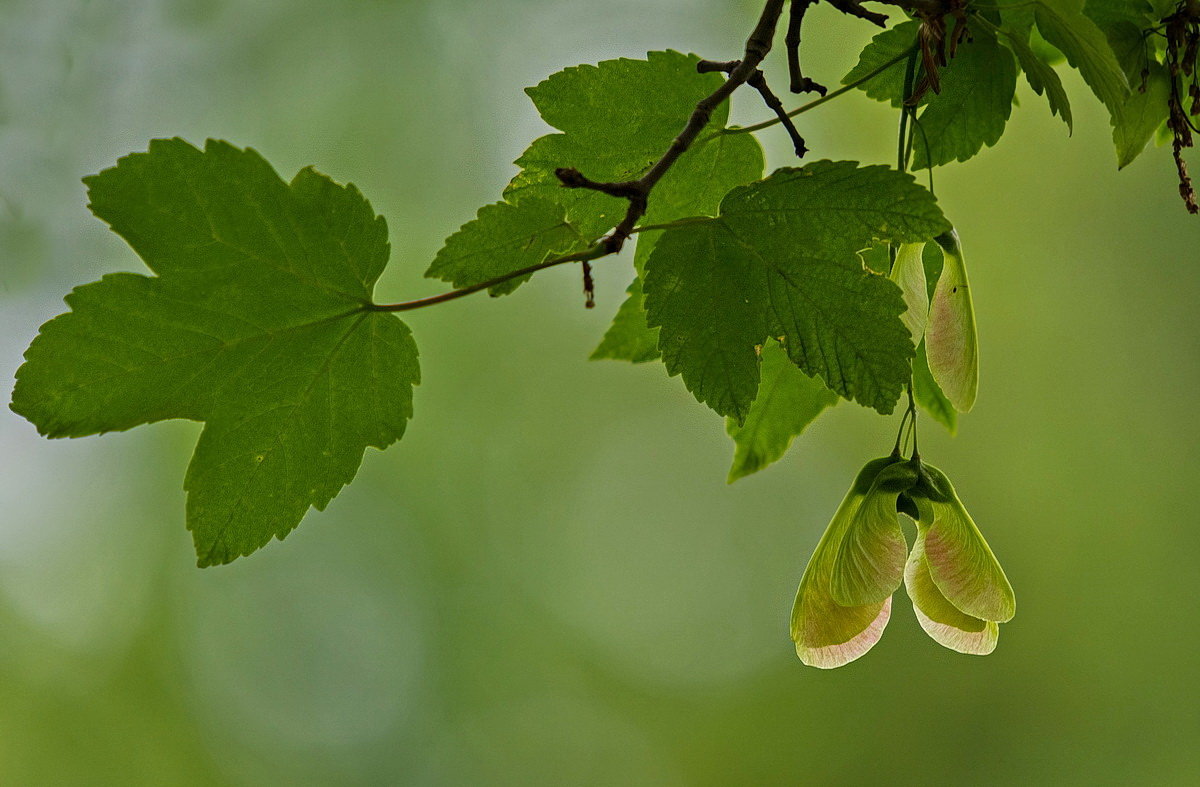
column 788, row 401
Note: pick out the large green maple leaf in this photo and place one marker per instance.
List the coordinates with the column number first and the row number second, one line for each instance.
column 781, row 260
column 256, row 323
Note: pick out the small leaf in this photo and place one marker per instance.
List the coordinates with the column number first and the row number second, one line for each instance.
column 884, row 48
column 1138, row 12
column 1017, row 17
column 617, row 140
column 973, row 106
column 1140, row 116
column 782, row 261
column 827, row 634
column 788, row 401
column 697, row 285
column 629, row 338
column 951, row 339
column 1085, row 47
column 503, row 239
column 1159, row 9
column 1041, row 75
column 1132, row 48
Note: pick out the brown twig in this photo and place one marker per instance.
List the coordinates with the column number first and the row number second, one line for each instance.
column 823, row 100
column 923, row 7
column 758, row 81
column 799, row 82
column 638, row 191
column 1183, row 44
column 854, row 8
column 586, row 256
column 589, row 286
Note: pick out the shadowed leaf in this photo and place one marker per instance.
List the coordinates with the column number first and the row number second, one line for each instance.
column 782, row 261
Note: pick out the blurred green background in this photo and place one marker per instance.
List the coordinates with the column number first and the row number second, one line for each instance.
column 548, row 581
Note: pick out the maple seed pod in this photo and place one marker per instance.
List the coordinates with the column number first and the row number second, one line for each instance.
column 959, row 591
column 951, row 341
column 908, row 272
column 845, row 597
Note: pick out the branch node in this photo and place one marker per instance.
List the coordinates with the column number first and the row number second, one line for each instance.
column 854, row 8
column 572, row 178
column 758, row 81
column 637, row 192
column 722, row 66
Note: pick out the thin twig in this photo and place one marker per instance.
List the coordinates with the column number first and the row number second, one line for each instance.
column 758, row 81
column 910, row 71
column 818, row 102
column 589, row 255
column 589, row 286
column 593, row 253
column 638, row 191
column 854, row 8
column 799, row 82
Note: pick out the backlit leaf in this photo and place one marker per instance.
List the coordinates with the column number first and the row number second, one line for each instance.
column 255, row 323
column 788, row 401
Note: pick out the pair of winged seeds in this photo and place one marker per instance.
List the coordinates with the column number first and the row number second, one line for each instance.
column 959, row 592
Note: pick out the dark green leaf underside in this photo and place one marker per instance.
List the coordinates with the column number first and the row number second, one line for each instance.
column 782, row 261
